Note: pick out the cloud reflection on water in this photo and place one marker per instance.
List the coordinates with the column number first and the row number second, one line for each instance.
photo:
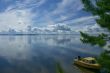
column 31, row 54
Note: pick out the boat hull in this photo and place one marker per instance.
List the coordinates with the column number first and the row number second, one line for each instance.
column 86, row 65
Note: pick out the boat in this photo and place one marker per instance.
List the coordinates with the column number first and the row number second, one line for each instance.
column 86, row 70
column 88, row 62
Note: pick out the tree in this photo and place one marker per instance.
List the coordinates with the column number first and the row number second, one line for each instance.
column 100, row 8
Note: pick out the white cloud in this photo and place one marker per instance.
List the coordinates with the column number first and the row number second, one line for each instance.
column 15, row 19
column 59, row 28
column 22, row 4
column 65, row 9
column 75, row 5
column 18, row 16
column 29, row 3
column 63, row 17
column 81, row 19
column 79, row 24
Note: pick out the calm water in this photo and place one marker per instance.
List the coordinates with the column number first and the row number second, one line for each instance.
column 40, row 53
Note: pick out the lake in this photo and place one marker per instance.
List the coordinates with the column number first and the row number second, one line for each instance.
column 41, row 53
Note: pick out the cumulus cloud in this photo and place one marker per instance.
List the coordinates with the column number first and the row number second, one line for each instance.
column 62, row 27
column 15, row 19
column 59, row 28
column 18, row 15
column 23, row 13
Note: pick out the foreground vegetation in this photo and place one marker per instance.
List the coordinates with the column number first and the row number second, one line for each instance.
column 100, row 8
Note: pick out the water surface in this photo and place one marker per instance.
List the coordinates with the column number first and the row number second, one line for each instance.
column 40, row 53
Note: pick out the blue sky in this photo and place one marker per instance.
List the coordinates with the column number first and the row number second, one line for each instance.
column 19, row 14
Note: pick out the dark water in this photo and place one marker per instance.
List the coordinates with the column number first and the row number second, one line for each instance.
column 40, row 53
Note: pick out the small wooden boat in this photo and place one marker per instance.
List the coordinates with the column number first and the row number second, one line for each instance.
column 88, row 62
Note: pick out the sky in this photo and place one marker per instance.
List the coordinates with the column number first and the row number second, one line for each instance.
column 51, row 15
